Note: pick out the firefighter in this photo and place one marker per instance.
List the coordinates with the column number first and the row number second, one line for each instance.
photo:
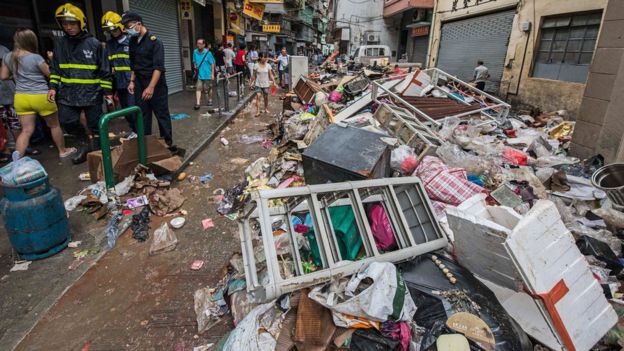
column 117, row 50
column 147, row 81
column 79, row 74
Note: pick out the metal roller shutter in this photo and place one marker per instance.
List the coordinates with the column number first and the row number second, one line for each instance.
column 419, row 50
column 161, row 18
column 464, row 42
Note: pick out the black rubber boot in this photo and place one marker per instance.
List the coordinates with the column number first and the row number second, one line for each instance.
column 81, row 154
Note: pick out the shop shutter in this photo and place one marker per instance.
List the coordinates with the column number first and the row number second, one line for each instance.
column 419, row 50
column 161, row 19
column 466, row 41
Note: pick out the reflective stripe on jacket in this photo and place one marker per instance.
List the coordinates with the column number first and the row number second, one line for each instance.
column 119, row 61
column 80, row 71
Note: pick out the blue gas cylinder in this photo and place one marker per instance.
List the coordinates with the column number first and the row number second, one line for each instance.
column 35, row 219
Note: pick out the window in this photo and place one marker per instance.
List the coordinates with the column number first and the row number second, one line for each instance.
column 566, row 46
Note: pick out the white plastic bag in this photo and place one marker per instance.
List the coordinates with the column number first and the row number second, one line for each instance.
column 403, row 159
column 247, row 335
column 73, row 202
column 164, row 240
column 376, row 302
column 22, row 170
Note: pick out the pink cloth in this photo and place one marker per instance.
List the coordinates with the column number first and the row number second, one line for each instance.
column 444, row 185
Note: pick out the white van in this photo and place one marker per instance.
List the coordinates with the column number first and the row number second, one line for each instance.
column 368, row 54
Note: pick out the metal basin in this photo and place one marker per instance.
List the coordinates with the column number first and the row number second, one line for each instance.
column 610, row 178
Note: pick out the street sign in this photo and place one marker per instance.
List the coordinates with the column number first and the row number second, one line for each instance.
column 186, row 9
column 253, row 10
column 271, row 28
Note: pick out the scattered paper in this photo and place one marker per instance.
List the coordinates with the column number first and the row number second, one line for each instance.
column 74, row 244
column 205, row 178
column 197, row 265
column 239, row 161
column 203, row 347
column 208, row 223
column 20, row 266
column 137, row 202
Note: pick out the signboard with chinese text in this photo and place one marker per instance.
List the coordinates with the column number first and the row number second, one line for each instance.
column 271, row 28
column 253, row 10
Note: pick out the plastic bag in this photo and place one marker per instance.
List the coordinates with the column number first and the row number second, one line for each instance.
column 248, row 334
column 209, row 305
column 555, row 160
column 403, row 159
column 164, row 240
column 377, row 302
column 250, row 139
column 123, row 187
column 335, row 96
column 22, row 170
column 515, row 157
column 381, row 228
column 448, row 126
column 73, row 202
column 273, row 90
column 454, row 156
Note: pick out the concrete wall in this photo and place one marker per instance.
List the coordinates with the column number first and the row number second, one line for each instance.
column 600, row 126
column 359, row 17
column 517, row 85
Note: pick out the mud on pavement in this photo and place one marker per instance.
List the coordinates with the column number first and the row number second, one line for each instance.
column 130, row 300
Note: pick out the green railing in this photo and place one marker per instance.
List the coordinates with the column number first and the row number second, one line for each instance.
column 107, row 162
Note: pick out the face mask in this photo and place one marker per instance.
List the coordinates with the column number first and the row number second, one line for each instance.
column 132, row 32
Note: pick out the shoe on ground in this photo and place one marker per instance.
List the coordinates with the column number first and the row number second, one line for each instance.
column 196, row 107
column 81, row 155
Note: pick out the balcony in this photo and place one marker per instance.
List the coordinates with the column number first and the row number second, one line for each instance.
column 395, row 7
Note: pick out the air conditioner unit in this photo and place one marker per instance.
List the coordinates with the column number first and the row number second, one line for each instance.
column 420, row 15
column 372, row 38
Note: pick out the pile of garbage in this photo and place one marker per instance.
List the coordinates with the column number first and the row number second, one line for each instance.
column 451, row 223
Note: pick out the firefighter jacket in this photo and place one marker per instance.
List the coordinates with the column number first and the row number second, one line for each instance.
column 119, row 61
column 79, row 71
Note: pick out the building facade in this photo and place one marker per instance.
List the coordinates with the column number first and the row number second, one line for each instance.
column 361, row 22
column 599, row 125
column 538, row 52
column 412, row 18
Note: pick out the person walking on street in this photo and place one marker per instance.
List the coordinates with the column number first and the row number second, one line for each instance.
column 262, row 78
column 147, row 80
column 481, row 75
column 252, row 59
column 228, row 55
column 204, row 64
column 282, row 61
column 239, row 60
column 7, row 112
column 118, row 52
column 79, row 75
column 220, row 60
column 30, row 72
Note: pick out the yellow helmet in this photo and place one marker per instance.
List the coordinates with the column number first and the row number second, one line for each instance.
column 112, row 20
column 69, row 12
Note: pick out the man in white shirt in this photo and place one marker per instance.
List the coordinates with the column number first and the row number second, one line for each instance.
column 283, row 60
column 228, row 55
column 481, row 75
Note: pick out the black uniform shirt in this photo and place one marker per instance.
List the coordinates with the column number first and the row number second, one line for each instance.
column 147, row 55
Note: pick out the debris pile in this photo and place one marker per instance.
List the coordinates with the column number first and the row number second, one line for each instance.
column 410, row 211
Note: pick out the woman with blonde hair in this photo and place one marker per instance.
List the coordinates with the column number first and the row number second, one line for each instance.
column 30, row 72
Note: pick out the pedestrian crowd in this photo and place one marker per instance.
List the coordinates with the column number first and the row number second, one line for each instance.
column 69, row 89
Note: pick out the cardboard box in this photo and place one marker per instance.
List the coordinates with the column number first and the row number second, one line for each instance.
column 125, row 157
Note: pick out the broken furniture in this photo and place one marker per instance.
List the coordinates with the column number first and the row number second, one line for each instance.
column 410, row 213
column 534, row 267
column 346, row 153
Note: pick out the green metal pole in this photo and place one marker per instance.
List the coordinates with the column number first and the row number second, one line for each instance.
column 105, row 144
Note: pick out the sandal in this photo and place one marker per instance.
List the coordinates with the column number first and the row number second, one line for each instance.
column 68, row 152
column 257, row 114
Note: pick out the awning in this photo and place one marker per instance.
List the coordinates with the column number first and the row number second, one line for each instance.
column 399, row 6
column 275, row 8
